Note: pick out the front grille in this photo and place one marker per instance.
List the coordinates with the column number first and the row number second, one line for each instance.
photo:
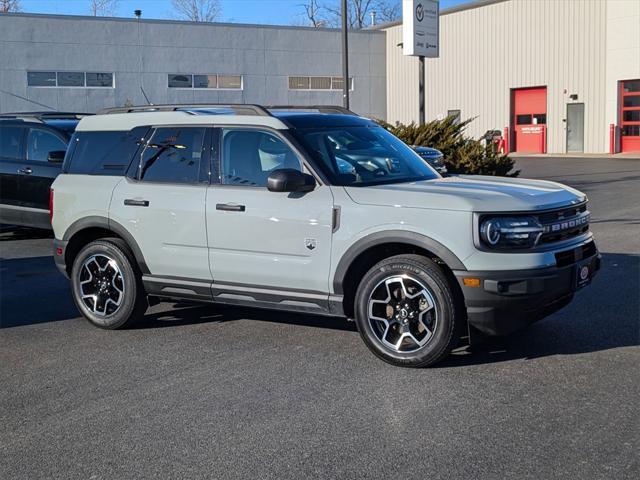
column 564, row 224
column 569, row 257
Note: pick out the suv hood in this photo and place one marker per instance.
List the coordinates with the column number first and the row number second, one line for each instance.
column 470, row 193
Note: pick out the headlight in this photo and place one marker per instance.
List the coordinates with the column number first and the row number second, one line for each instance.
column 510, row 232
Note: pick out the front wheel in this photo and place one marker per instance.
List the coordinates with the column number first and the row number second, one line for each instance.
column 107, row 288
column 406, row 311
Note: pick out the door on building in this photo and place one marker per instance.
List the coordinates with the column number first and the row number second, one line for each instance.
column 575, row 127
column 629, row 115
column 529, row 119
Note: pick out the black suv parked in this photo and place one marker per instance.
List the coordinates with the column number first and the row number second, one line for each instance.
column 32, row 148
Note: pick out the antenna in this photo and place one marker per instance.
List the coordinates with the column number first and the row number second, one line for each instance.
column 27, row 100
column 145, row 96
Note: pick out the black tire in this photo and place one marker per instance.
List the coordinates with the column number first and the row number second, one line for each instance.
column 438, row 306
column 132, row 302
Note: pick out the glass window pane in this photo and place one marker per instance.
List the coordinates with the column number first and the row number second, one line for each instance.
column 298, row 83
column 10, row 138
column 523, row 120
column 540, row 118
column 41, row 142
column 180, row 81
column 631, row 116
column 320, row 83
column 631, row 86
column 337, row 83
column 70, row 79
column 104, row 153
column 205, row 81
column 249, row 157
column 99, row 79
column 632, row 101
column 230, row 81
column 41, row 79
column 455, row 114
column 630, row 131
column 173, row 155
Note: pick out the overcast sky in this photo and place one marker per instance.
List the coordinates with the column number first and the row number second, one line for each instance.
column 277, row 12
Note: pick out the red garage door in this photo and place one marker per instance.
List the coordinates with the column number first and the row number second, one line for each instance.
column 629, row 116
column 529, row 107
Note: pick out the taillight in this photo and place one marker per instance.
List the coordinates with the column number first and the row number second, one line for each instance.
column 51, row 204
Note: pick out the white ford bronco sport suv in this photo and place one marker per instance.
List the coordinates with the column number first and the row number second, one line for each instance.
column 316, row 211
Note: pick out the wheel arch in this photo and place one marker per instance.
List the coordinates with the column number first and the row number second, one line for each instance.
column 369, row 250
column 91, row 228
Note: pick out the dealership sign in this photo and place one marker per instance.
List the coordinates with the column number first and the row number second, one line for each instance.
column 420, row 28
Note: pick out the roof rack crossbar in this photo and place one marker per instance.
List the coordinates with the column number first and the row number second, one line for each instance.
column 238, row 109
column 320, row 108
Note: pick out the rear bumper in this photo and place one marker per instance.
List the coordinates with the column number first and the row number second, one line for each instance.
column 59, row 252
column 507, row 301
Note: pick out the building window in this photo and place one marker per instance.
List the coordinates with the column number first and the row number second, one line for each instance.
column 41, row 79
column 318, row 83
column 70, row 79
column 95, row 79
column 456, row 114
column 220, row 82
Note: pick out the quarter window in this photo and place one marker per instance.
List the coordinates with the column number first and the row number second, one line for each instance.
column 249, row 157
column 173, row 155
column 40, row 143
column 103, row 153
column 10, row 138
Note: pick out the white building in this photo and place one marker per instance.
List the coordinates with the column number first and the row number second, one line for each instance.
column 557, row 73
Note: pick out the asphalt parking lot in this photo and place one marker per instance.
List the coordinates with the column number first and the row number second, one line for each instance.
column 212, row 392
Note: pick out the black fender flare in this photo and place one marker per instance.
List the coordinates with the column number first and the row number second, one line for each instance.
column 392, row 236
column 96, row 221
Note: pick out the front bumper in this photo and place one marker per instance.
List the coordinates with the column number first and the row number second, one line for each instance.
column 507, row 301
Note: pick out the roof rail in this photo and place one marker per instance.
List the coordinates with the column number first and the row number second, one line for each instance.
column 319, row 108
column 193, row 108
column 46, row 115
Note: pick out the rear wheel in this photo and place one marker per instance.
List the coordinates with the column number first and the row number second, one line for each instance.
column 107, row 287
column 406, row 311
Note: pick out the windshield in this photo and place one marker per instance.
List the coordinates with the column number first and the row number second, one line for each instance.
column 361, row 156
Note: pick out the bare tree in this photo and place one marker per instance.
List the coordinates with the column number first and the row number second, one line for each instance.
column 103, row 8
column 314, row 13
column 7, row 6
column 197, row 10
column 359, row 12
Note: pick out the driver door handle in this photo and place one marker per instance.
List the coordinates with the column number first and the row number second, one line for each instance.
column 131, row 202
column 230, row 207
column 26, row 170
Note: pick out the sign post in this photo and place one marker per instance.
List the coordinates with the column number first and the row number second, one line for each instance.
column 421, row 37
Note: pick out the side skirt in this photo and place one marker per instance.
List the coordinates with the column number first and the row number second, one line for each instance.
column 300, row 301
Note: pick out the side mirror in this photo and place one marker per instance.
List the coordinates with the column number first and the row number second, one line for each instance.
column 57, row 156
column 290, row 180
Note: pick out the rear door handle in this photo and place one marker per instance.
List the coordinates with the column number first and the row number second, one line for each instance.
column 131, row 202
column 26, row 170
column 230, row 207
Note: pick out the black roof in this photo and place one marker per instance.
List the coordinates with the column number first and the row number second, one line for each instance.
column 321, row 120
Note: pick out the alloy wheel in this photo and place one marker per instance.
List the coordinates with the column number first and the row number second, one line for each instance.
column 101, row 285
column 402, row 313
